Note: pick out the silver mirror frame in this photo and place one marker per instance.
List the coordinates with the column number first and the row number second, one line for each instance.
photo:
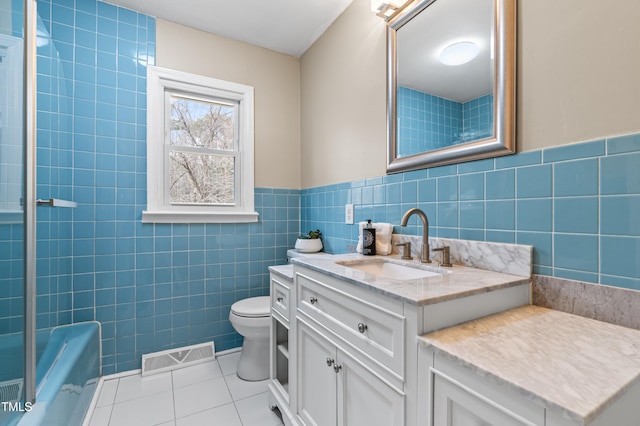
column 503, row 141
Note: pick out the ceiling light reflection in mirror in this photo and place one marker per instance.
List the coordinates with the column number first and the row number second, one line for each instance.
column 458, row 53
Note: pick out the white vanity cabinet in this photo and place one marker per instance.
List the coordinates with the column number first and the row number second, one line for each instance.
column 349, row 366
column 453, row 395
column 530, row 366
column 350, row 338
column 461, row 398
column 280, row 358
column 337, row 389
column 356, row 351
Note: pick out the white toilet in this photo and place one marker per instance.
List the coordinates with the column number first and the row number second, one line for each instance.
column 251, row 319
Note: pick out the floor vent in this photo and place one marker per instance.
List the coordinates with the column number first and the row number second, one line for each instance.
column 172, row 359
column 11, row 390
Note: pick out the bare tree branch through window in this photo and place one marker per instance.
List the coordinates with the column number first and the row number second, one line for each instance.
column 202, row 152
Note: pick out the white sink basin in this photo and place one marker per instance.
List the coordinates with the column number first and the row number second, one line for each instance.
column 387, row 269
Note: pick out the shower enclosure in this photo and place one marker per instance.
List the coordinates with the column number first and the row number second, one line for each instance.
column 48, row 366
column 12, row 216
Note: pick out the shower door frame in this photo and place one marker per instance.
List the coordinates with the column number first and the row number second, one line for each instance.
column 29, row 137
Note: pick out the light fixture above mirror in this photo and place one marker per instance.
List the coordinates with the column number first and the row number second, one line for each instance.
column 386, row 8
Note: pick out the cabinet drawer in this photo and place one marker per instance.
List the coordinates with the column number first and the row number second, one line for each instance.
column 377, row 332
column 280, row 297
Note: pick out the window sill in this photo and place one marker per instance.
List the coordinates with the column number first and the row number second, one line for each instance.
column 198, row 217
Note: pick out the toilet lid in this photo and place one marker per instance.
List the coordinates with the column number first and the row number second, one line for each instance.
column 252, row 307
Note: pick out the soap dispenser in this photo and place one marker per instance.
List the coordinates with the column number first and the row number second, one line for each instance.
column 369, row 239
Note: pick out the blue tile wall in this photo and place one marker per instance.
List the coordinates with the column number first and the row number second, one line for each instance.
column 152, row 287
column 11, row 278
column 11, row 230
column 428, row 122
column 14, row 9
column 578, row 205
column 477, row 118
column 425, row 121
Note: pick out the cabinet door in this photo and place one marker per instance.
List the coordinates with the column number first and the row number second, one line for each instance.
column 316, row 379
column 455, row 406
column 363, row 398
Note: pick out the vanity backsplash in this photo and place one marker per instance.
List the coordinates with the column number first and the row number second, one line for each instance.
column 614, row 305
column 516, row 259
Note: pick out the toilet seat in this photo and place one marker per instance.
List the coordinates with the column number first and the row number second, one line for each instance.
column 253, row 307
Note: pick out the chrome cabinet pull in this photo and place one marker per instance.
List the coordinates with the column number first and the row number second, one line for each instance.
column 362, row 327
column 330, row 362
column 337, row 368
column 313, row 300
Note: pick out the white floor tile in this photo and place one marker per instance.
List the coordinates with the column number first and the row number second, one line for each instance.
column 225, row 415
column 242, row 389
column 201, row 396
column 255, row 411
column 144, row 411
column 101, row 416
column 132, row 387
column 206, row 394
column 197, row 373
column 229, row 363
column 107, row 392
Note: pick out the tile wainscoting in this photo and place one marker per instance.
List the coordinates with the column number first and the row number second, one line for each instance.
column 577, row 204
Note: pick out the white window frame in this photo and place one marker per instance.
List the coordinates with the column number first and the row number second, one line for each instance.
column 160, row 82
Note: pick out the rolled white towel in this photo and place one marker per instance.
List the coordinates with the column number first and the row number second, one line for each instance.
column 383, row 237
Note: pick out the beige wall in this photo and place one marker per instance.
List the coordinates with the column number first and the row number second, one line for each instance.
column 578, row 79
column 579, row 71
column 275, row 77
column 343, row 100
column 321, row 119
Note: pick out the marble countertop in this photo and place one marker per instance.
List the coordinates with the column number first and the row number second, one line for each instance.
column 285, row 271
column 457, row 281
column 573, row 365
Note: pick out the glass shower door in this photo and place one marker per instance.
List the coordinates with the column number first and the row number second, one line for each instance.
column 12, row 286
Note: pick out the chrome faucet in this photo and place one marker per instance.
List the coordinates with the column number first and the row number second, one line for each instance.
column 424, row 257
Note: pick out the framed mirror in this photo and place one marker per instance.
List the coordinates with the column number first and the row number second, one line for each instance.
column 450, row 82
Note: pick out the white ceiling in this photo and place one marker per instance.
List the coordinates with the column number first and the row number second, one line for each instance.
column 421, row 40
column 286, row 26
column 292, row 26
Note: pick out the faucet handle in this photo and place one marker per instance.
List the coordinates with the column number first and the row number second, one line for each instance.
column 406, row 253
column 446, row 258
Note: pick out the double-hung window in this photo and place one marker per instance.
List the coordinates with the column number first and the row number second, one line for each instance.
column 199, row 149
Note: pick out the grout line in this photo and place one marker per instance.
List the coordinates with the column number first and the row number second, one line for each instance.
column 173, row 398
column 224, row 377
column 113, row 403
column 234, row 404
